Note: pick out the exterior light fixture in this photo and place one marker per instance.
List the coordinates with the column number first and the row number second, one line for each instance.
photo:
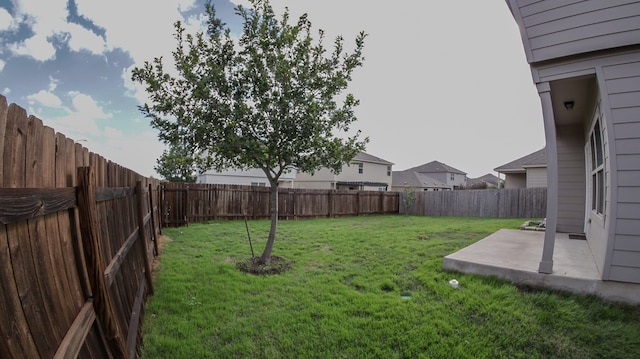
column 569, row 105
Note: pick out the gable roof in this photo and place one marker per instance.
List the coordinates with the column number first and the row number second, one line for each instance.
column 414, row 179
column 535, row 159
column 488, row 178
column 365, row 157
column 436, row 167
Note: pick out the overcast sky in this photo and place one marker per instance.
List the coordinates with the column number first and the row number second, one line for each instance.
column 441, row 80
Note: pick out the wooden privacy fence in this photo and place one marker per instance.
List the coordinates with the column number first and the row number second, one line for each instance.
column 77, row 237
column 186, row 203
column 496, row 203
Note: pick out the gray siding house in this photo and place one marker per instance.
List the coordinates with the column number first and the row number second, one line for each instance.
column 585, row 63
column 443, row 173
column 364, row 173
column 525, row 172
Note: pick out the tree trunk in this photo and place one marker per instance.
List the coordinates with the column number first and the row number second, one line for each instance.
column 266, row 255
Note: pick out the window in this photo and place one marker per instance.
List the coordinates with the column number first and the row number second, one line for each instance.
column 597, row 169
column 453, row 177
column 360, row 167
column 259, row 184
column 388, row 170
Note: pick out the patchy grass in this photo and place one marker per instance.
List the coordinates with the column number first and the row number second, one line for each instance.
column 364, row 287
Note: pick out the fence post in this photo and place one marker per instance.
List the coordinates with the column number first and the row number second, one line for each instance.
column 186, row 206
column 142, row 236
column 153, row 222
column 88, row 215
column 160, row 204
column 293, row 199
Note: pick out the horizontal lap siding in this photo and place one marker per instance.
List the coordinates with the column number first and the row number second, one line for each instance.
column 623, row 88
column 571, row 179
column 554, row 29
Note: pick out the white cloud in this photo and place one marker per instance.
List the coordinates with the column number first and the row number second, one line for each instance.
column 42, row 19
column 86, row 107
column 134, row 89
column 37, row 47
column 80, row 120
column 244, row 3
column 48, row 20
column 2, row 63
column 145, row 40
column 6, row 20
column 136, row 151
column 83, row 39
column 112, row 133
column 44, row 98
column 53, row 83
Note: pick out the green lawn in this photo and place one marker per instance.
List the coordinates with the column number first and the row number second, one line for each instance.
column 364, row 287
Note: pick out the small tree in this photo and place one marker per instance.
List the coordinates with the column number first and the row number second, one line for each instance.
column 269, row 102
column 176, row 165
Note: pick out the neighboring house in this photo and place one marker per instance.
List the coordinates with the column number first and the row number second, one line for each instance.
column 365, row 173
column 585, row 62
column 526, row 172
column 443, row 173
column 250, row 177
column 409, row 179
column 487, row 181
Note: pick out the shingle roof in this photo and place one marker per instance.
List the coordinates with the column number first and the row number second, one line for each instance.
column 535, row 159
column 488, row 178
column 362, row 156
column 414, row 179
column 436, row 167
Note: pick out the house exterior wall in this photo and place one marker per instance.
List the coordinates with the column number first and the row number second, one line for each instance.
column 321, row 179
column 536, row 177
column 571, row 179
column 515, row 180
column 554, row 29
column 246, row 177
column 597, row 235
column 614, row 238
column 568, row 39
column 622, row 81
column 456, row 179
column 325, row 179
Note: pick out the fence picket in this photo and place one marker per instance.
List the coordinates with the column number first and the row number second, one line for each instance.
column 52, row 251
column 495, row 203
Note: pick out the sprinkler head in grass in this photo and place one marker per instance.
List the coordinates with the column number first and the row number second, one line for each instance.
column 453, row 283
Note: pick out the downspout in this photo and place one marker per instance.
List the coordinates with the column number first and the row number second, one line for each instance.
column 546, row 264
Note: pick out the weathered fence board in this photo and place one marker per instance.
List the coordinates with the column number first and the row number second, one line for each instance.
column 18, row 204
column 186, row 203
column 496, row 203
column 53, row 297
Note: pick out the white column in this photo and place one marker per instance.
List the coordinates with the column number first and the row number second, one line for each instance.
column 546, row 264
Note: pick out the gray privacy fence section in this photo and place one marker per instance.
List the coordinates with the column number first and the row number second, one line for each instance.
column 496, row 203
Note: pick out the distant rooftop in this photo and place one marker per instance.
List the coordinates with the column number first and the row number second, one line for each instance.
column 436, row 167
column 535, row 159
column 412, row 178
column 365, row 157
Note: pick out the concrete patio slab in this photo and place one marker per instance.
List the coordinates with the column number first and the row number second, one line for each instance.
column 515, row 255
